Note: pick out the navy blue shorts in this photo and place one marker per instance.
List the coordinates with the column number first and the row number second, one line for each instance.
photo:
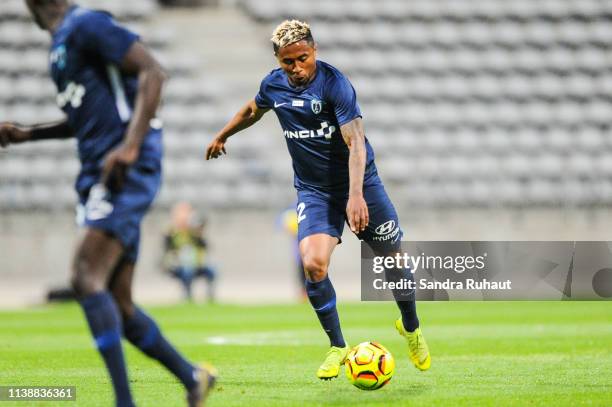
column 120, row 214
column 321, row 212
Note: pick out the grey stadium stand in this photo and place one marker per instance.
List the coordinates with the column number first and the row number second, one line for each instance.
column 466, row 102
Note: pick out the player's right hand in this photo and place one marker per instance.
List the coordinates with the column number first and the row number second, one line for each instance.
column 216, row 148
column 357, row 213
column 12, row 134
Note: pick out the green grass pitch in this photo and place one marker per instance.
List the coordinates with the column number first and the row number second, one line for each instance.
column 484, row 353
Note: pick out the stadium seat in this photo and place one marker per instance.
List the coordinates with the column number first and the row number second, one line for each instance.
column 503, row 99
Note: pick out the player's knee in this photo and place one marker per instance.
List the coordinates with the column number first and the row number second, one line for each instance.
column 83, row 285
column 315, row 268
column 84, row 281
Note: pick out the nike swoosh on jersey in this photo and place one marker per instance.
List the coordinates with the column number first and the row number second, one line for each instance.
column 279, row 104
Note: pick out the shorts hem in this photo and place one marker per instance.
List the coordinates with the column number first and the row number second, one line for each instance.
column 317, row 232
column 127, row 252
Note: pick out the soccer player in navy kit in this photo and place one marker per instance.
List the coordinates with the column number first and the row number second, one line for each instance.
column 335, row 177
column 109, row 87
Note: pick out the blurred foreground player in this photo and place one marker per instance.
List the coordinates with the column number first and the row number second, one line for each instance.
column 109, row 87
column 335, row 177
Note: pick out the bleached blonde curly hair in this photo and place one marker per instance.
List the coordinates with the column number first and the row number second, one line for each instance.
column 289, row 32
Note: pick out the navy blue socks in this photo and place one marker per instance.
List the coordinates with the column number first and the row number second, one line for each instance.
column 105, row 324
column 404, row 298
column 144, row 333
column 409, row 315
column 322, row 296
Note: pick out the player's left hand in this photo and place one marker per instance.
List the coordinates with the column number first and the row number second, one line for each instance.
column 357, row 213
column 116, row 165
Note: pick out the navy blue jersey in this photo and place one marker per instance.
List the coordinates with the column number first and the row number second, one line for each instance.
column 96, row 96
column 310, row 117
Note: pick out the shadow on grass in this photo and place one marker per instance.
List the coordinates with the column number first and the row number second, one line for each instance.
column 343, row 394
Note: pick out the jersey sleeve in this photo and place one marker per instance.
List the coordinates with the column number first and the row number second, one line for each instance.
column 98, row 32
column 343, row 99
column 261, row 100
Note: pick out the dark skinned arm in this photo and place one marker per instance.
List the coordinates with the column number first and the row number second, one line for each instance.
column 137, row 61
column 11, row 133
column 356, row 207
column 247, row 116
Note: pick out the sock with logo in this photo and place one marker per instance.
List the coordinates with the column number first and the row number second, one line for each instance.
column 322, row 296
column 144, row 333
column 105, row 324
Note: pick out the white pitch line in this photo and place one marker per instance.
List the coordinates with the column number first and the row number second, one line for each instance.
column 285, row 338
column 276, row 338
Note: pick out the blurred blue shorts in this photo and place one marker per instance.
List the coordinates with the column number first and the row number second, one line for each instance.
column 120, row 214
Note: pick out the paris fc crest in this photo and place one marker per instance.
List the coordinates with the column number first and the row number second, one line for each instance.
column 58, row 56
column 316, row 106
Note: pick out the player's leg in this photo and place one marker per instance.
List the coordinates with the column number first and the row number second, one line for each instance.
column 319, row 230
column 96, row 257
column 383, row 235
column 142, row 331
column 316, row 252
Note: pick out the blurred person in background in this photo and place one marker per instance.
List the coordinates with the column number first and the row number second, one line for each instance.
column 185, row 250
column 109, row 87
column 335, row 177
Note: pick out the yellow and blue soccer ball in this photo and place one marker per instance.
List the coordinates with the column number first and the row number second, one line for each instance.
column 369, row 366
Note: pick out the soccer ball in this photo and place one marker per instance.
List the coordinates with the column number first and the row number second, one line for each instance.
column 369, row 366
